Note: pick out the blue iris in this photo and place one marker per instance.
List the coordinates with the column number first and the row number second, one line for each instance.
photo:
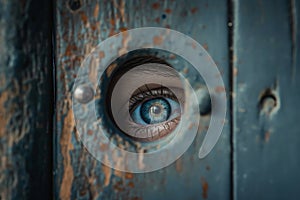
column 153, row 111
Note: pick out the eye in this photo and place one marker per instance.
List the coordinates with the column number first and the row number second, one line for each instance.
column 153, row 108
column 145, row 99
column 141, row 101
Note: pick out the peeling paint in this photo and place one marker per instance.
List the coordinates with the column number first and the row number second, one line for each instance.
column 66, row 147
column 157, row 40
column 125, row 40
column 107, row 174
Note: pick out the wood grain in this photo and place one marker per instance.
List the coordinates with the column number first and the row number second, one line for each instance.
column 26, row 104
column 80, row 26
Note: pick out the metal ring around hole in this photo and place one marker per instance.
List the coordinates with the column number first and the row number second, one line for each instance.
column 90, row 129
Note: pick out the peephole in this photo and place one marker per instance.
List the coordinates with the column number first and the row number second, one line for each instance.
column 137, row 103
column 142, row 99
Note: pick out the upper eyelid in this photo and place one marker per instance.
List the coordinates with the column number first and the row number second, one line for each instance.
column 133, row 101
column 166, row 73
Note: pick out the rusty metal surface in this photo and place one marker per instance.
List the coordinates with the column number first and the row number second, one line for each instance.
column 80, row 26
column 25, row 100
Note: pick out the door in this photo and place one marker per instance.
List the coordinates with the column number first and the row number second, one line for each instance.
column 255, row 46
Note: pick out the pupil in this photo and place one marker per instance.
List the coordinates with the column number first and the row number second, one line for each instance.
column 155, row 110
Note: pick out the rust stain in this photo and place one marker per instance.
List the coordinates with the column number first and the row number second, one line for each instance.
column 103, row 147
column 125, row 40
column 107, row 174
column 219, row 89
column 178, row 165
column 157, row 40
column 96, row 11
column 155, row 6
column 3, row 118
column 112, row 22
column 94, row 26
column 93, row 70
column 66, row 146
column 194, row 45
column 118, row 173
column 128, row 175
column 119, row 186
column 157, row 20
column 172, row 56
column 136, row 198
column 131, row 184
column 122, row 29
column 70, row 50
column 112, row 32
column 84, row 17
column 267, row 136
column 205, row 46
column 90, row 132
column 185, row 70
column 194, row 10
column 204, row 188
column 101, row 54
column 168, row 11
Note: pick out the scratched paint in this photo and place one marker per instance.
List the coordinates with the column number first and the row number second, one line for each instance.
column 81, row 30
column 266, row 131
column 25, row 100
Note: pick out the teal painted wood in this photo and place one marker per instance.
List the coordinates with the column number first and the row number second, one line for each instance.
column 266, row 103
column 80, row 26
column 25, row 100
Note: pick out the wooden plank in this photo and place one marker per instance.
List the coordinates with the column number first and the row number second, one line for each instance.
column 25, row 100
column 267, row 95
column 80, row 26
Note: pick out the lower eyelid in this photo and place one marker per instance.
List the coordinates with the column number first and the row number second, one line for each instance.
column 142, row 132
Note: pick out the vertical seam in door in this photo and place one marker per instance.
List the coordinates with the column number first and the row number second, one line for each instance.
column 53, row 65
column 232, row 73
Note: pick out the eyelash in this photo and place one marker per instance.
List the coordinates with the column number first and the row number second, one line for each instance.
column 165, row 128
column 143, row 96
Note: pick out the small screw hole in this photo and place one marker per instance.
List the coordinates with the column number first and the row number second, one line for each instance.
column 268, row 102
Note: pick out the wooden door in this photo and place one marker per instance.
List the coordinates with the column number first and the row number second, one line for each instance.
column 255, row 45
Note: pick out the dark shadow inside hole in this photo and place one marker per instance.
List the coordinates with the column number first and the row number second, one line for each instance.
column 123, row 64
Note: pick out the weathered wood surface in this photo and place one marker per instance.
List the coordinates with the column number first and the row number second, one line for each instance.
column 264, row 76
column 80, row 26
column 25, row 100
column 266, row 126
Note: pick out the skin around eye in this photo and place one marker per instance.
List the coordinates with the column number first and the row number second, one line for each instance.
column 149, row 86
